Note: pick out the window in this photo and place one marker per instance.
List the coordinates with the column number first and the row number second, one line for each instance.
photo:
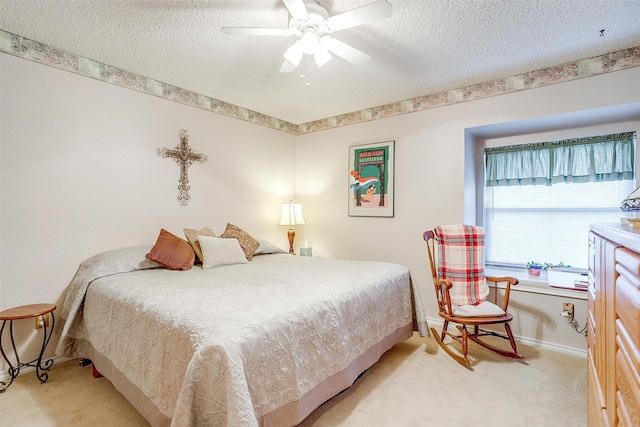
column 539, row 199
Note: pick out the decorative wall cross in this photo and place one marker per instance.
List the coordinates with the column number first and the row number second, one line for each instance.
column 184, row 157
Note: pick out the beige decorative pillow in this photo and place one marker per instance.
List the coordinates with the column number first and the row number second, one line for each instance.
column 247, row 242
column 192, row 237
column 172, row 252
column 217, row 252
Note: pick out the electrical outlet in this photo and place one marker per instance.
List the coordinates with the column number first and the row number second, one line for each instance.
column 42, row 320
column 567, row 307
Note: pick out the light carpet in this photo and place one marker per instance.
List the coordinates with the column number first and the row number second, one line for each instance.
column 414, row 384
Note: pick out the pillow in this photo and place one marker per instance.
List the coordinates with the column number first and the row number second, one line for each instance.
column 247, row 242
column 172, row 252
column 267, row 248
column 218, row 251
column 120, row 260
column 484, row 309
column 192, row 238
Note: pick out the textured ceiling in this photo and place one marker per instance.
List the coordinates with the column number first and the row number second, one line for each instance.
column 427, row 46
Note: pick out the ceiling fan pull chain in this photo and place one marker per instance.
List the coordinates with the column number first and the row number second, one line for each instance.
column 308, row 67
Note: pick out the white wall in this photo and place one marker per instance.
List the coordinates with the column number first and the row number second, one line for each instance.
column 429, row 186
column 80, row 174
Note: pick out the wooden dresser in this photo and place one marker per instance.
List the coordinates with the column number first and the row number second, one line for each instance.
column 613, row 321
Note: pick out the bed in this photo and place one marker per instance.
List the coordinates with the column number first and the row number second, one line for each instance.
column 261, row 343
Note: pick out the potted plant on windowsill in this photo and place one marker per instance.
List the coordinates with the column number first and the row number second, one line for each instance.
column 534, row 268
column 549, row 266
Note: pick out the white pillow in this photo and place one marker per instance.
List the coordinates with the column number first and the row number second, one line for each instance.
column 267, row 248
column 217, row 251
column 484, row 309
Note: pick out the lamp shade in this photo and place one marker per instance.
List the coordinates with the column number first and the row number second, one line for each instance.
column 291, row 214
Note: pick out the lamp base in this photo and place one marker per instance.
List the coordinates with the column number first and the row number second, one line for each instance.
column 291, row 235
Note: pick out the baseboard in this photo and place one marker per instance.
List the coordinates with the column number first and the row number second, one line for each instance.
column 4, row 376
column 532, row 342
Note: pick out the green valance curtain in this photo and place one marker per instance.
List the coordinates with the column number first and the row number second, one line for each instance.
column 592, row 159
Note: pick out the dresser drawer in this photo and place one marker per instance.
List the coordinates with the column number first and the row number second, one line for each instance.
column 629, row 260
column 627, row 307
column 630, row 353
column 592, row 251
column 591, row 332
column 595, row 396
column 624, row 416
column 592, row 378
column 628, row 394
column 591, row 299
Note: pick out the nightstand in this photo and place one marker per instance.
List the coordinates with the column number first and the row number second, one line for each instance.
column 41, row 312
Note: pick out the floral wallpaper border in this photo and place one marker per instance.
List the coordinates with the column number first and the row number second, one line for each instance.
column 34, row 51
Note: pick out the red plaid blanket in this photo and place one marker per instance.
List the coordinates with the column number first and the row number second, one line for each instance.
column 461, row 260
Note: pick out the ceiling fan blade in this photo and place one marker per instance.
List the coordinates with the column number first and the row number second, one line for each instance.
column 255, row 31
column 371, row 12
column 287, row 67
column 294, row 53
column 344, row 51
column 296, row 8
column 321, row 55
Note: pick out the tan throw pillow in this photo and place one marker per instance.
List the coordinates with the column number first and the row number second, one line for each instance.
column 192, row 237
column 247, row 242
column 172, row 252
column 219, row 252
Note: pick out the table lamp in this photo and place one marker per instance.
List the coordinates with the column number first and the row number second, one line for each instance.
column 291, row 215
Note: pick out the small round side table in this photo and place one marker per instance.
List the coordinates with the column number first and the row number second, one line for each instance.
column 38, row 311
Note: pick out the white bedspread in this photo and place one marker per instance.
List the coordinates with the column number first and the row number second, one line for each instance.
column 230, row 345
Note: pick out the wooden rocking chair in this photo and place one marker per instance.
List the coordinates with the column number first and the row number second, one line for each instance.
column 450, row 307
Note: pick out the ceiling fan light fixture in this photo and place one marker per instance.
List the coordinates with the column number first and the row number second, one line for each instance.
column 294, row 53
column 287, row 67
column 312, row 24
column 309, row 42
column 322, row 56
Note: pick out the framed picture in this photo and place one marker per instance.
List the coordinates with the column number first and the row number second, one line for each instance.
column 371, row 179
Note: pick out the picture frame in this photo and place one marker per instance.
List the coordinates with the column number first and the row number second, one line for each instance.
column 371, row 179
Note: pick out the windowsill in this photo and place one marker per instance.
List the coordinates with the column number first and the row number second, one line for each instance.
column 536, row 284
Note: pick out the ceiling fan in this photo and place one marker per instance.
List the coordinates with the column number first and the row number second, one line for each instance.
column 312, row 24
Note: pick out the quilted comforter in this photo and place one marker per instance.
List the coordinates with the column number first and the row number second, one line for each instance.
column 262, row 343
